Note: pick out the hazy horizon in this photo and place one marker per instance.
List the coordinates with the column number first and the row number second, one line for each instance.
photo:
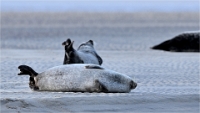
column 102, row 6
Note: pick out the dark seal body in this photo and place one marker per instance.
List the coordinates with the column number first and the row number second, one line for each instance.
column 185, row 42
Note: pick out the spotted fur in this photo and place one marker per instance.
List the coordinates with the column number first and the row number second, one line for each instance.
column 80, row 78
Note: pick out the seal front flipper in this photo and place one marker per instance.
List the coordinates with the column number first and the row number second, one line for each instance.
column 100, row 87
column 93, row 67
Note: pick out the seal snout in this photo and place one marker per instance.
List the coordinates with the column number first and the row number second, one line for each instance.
column 133, row 85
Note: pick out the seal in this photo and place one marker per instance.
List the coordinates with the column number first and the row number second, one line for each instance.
column 78, row 78
column 84, row 54
column 71, row 56
column 185, row 42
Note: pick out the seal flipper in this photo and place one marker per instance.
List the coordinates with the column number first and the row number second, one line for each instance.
column 93, row 67
column 68, row 50
column 67, row 42
column 26, row 70
column 100, row 86
column 99, row 58
column 32, row 84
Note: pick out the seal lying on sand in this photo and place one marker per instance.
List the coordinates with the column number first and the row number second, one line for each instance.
column 79, row 78
column 185, row 42
column 84, row 54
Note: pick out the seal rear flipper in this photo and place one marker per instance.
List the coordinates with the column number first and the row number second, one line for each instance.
column 93, row 67
column 32, row 84
column 26, row 70
column 67, row 42
column 69, row 47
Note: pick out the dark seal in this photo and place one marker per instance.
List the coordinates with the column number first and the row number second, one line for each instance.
column 185, row 42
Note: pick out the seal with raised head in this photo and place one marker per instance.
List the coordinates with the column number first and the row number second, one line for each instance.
column 78, row 78
column 84, row 54
column 185, row 42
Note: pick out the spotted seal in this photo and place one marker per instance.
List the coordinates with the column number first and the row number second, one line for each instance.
column 78, row 78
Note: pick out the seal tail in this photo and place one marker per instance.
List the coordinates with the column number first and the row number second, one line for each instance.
column 26, row 70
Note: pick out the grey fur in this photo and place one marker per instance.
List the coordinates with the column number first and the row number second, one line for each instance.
column 80, row 78
column 84, row 54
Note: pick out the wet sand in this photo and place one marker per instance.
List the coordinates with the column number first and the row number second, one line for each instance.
column 167, row 81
